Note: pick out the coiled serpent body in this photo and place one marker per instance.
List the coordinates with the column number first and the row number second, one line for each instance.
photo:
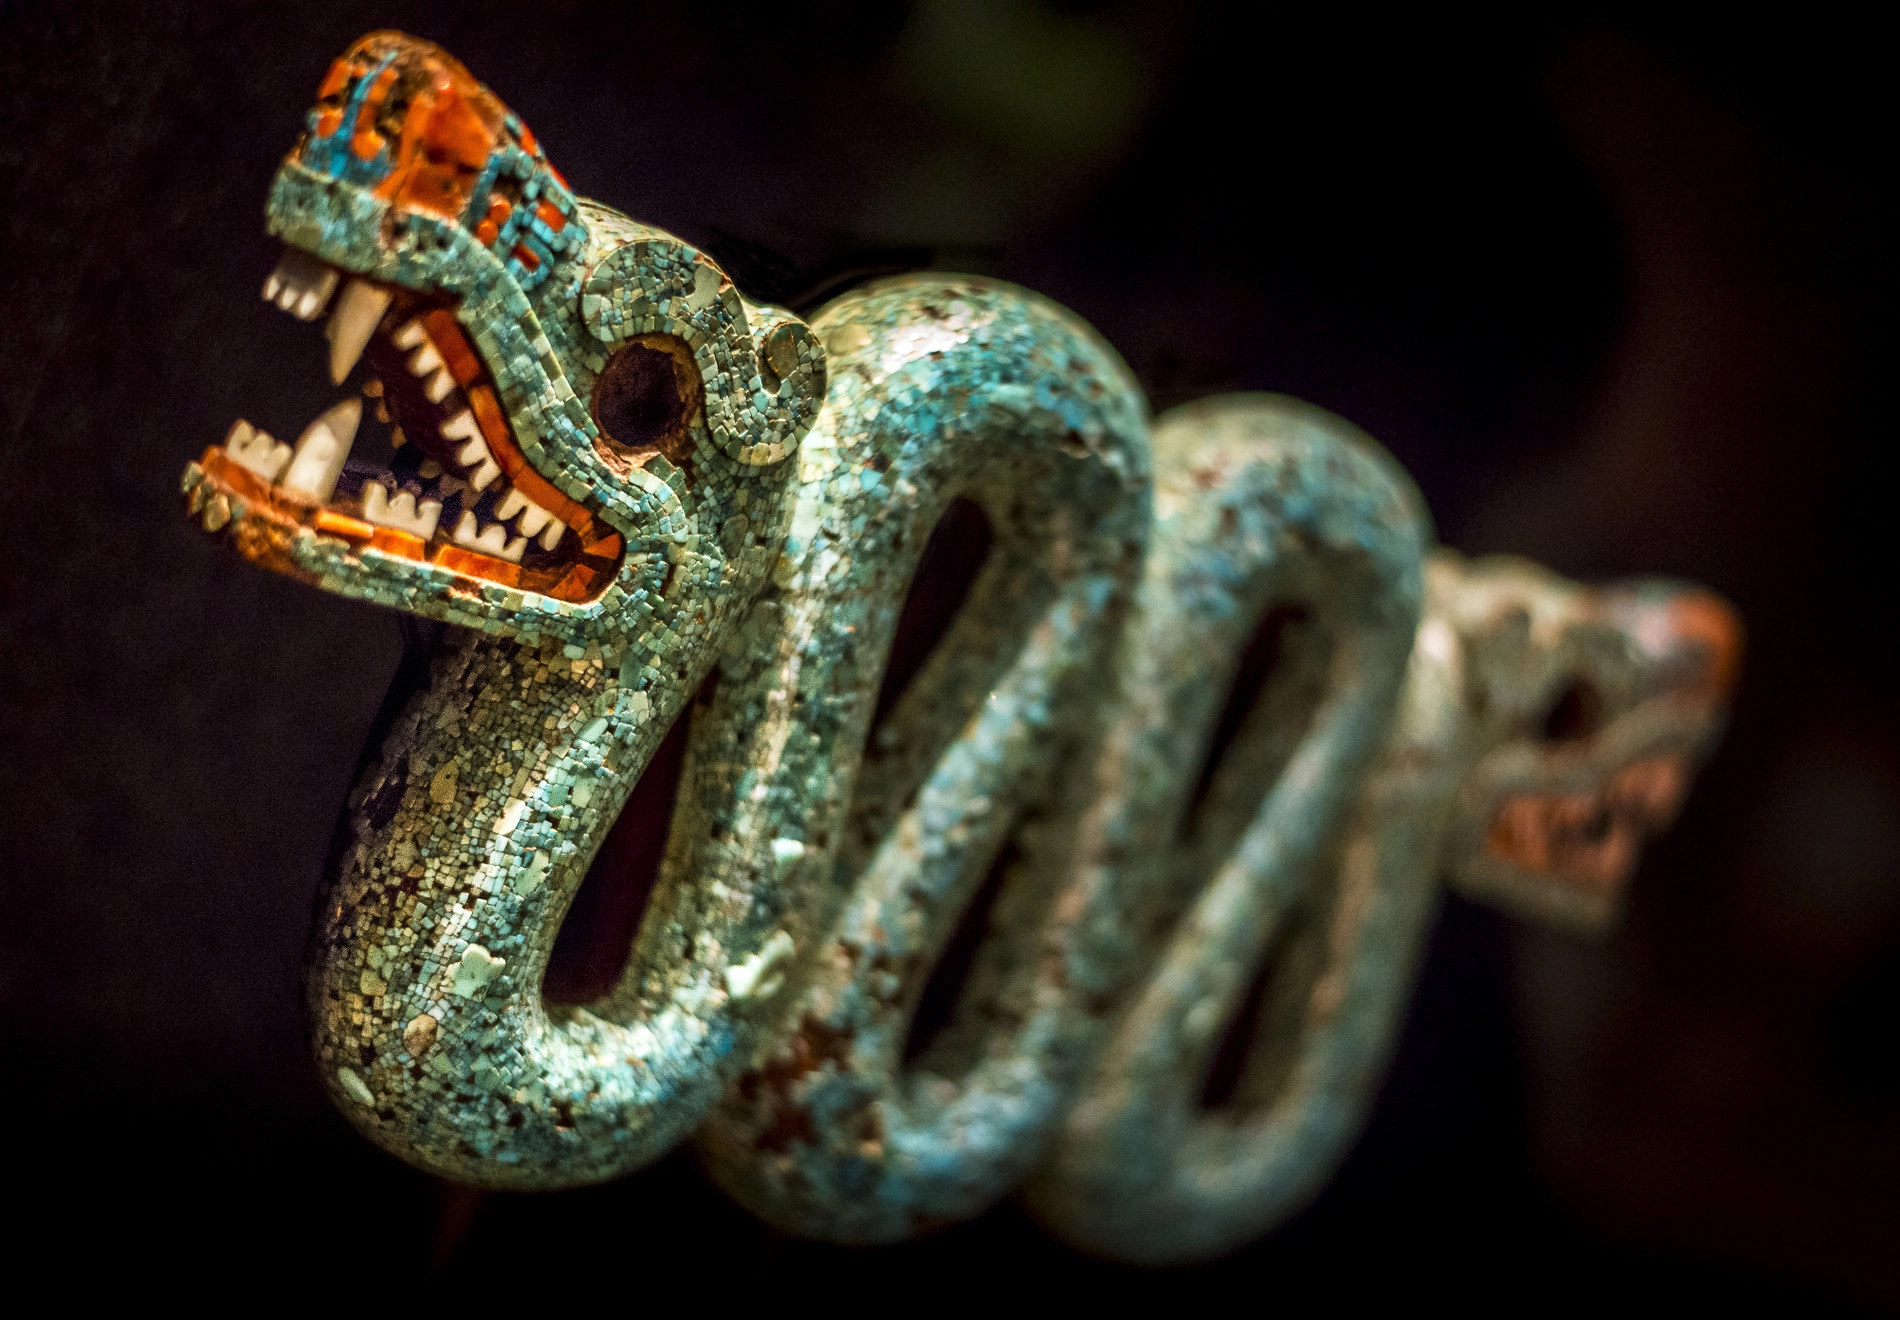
column 1205, row 730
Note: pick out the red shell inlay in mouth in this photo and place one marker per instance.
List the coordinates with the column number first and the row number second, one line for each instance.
column 459, row 493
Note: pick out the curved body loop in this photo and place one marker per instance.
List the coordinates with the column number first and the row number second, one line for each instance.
column 1277, row 526
column 1115, row 894
column 943, row 390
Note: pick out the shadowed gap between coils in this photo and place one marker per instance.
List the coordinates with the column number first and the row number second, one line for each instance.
column 952, row 559
column 1279, row 682
column 958, row 547
column 1253, row 1060
column 937, row 1003
column 597, row 936
column 1259, row 664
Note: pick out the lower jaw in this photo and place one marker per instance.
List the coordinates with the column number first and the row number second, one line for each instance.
column 264, row 524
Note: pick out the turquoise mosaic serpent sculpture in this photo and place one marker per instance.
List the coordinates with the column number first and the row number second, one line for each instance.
column 1209, row 724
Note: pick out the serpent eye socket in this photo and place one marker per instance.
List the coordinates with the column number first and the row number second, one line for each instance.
column 648, row 398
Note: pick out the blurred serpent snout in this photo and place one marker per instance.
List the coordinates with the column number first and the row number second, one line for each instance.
column 1618, row 750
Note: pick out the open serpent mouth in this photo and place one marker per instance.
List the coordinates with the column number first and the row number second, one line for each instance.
column 458, row 493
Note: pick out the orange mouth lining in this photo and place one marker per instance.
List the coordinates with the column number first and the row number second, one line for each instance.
column 577, row 563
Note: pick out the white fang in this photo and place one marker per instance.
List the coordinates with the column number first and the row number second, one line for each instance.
column 358, row 312
column 321, row 449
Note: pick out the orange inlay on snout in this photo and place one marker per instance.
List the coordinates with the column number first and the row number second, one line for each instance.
column 1590, row 839
column 448, row 124
column 1710, row 620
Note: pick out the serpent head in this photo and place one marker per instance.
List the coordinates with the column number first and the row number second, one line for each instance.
column 1596, row 706
column 589, row 421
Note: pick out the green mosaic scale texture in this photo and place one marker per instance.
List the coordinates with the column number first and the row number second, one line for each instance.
column 1071, row 736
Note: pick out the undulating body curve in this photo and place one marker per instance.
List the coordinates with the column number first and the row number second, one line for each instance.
column 1178, row 781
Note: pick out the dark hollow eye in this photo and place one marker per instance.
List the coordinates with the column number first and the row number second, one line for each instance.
column 1577, row 713
column 647, row 397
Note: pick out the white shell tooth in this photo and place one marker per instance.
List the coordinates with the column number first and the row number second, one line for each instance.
column 533, row 520
column 411, row 335
column 485, row 474
column 359, row 310
column 552, row 536
column 300, row 284
column 472, row 453
column 257, row 451
column 424, row 360
column 439, row 385
column 401, row 511
column 511, row 504
column 321, row 450
column 461, row 426
column 491, row 540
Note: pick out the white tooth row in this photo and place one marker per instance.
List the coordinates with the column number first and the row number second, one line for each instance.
column 300, row 284
column 310, row 470
column 534, row 518
column 425, row 362
column 303, row 286
column 490, row 540
column 256, row 450
column 401, row 512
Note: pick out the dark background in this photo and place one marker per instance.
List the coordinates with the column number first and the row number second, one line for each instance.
column 1615, row 289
